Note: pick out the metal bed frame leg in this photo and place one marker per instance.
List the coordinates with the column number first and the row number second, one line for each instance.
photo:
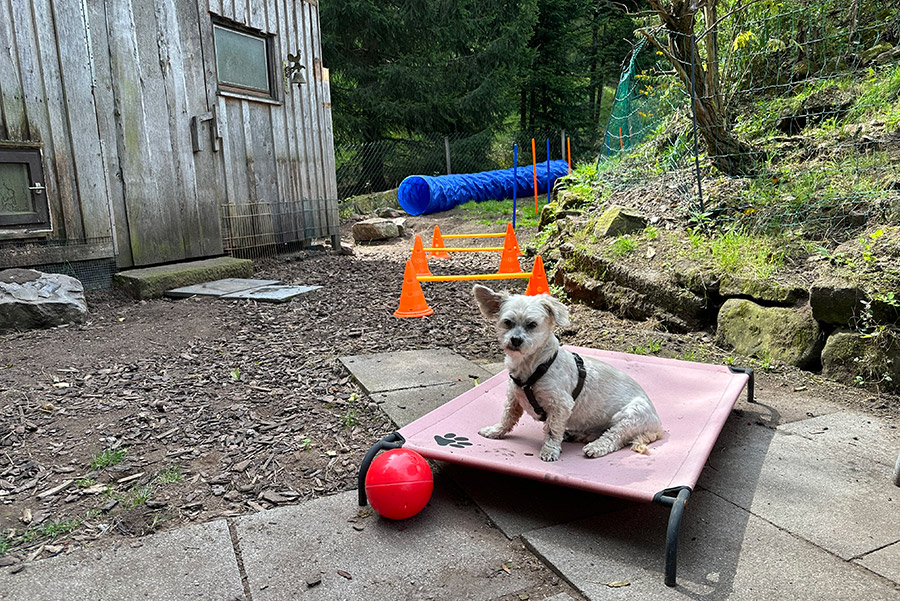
column 675, row 498
column 749, row 372
column 394, row 440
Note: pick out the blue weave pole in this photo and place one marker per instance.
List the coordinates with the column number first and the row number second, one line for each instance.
column 549, row 189
column 424, row 194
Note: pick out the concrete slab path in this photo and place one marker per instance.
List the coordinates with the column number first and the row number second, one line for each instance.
column 790, row 507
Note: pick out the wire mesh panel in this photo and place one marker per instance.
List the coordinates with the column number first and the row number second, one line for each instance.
column 786, row 114
column 263, row 229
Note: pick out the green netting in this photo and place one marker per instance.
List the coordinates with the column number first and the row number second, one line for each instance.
column 644, row 97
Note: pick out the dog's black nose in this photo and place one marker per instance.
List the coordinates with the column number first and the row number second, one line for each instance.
column 515, row 342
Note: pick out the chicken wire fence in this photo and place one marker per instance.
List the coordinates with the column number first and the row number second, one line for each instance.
column 781, row 115
column 372, row 167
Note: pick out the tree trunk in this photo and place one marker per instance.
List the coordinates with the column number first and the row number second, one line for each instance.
column 731, row 155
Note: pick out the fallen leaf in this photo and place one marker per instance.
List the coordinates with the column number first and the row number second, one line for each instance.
column 618, row 584
column 505, row 569
column 345, row 574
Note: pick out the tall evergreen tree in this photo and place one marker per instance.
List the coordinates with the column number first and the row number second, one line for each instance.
column 578, row 46
column 401, row 66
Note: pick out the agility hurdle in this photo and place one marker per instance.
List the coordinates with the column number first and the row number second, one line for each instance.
column 437, row 250
column 464, row 249
column 412, row 299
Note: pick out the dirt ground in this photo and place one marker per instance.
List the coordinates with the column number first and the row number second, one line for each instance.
column 160, row 413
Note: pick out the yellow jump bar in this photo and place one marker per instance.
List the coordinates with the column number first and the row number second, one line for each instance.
column 473, row 236
column 462, row 250
column 475, row 276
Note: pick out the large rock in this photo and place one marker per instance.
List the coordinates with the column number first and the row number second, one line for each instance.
column 634, row 292
column 616, row 221
column 30, row 299
column 790, row 335
column 852, row 358
column 763, row 289
column 375, row 229
column 837, row 301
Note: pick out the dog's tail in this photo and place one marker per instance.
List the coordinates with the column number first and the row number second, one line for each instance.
column 640, row 443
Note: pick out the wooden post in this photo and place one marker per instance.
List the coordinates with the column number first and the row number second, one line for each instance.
column 447, row 153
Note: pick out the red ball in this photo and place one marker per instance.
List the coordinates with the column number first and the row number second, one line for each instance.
column 399, row 484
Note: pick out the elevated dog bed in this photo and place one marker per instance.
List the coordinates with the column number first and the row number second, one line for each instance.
column 693, row 401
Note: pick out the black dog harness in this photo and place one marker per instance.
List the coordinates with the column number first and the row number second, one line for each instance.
column 526, row 386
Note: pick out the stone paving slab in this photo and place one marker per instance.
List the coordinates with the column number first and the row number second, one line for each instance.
column 152, row 282
column 408, row 405
column 862, row 435
column 410, row 369
column 885, row 562
column 839, row 501
column 219, row 287
column 724, row 553
column 270, row 294
column 446, row 552
column 196, row 563
column 513, row 506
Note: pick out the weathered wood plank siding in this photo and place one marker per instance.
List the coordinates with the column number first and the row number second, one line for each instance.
column 288, row 147
column 107, row 89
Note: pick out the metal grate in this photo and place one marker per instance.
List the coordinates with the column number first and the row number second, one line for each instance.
column 96, row 274
column 265, row 229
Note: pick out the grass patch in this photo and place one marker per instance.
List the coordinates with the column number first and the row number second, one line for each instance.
column 622, row 246
column 51, row 530
column 653, row 346
column 500, row 212
column 739, row 253
column 170, row 475
column 108, row 458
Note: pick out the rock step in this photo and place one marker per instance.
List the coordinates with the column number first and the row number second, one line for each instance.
column 152, row 282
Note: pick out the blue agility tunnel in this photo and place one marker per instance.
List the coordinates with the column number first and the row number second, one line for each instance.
column 422, row 194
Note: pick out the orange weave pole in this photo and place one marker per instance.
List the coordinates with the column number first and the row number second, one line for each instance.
column 534, row 165
column 463, row 250
column 569, row 150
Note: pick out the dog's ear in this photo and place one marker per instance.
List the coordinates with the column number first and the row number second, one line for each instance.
column 488, row 300
column 556, row 309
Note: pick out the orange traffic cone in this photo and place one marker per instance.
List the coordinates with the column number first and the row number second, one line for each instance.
column 438, row 242
column 509, row 261
column 511, row 235
column 412, row 300
column 537, row 283
column 419, row 260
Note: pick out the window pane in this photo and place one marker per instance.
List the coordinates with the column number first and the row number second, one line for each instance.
column 241, row 60
column 15, row 197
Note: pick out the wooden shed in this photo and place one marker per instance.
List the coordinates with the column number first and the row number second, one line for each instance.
column 141, row 132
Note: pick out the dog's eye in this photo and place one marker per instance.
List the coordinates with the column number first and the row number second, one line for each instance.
column 531, row 325
column 508, row 323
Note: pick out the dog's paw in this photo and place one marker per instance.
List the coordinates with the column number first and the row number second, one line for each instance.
column 494, row 431
column 549, row 453
column 598, row 448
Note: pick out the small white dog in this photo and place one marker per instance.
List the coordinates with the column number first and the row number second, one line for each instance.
column 581, row 400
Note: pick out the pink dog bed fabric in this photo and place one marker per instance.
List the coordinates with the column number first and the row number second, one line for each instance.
column 693, row 401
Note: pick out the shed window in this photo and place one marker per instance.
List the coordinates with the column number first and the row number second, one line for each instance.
column 23, row 197
column 243, row 61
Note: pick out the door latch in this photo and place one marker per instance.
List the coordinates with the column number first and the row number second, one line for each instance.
column 196, row 138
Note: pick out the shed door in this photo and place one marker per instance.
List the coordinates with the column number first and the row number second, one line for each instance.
column 167, row 167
